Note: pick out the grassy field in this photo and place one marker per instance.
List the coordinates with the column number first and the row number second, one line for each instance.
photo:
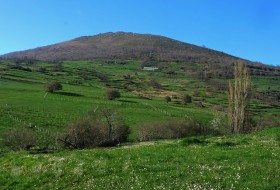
column 23, row 100
column 227, row 162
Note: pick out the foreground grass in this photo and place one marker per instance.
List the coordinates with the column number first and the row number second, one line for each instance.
column 229, row 162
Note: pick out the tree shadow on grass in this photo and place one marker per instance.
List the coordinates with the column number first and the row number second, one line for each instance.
column 69, row 94
column 127, row 101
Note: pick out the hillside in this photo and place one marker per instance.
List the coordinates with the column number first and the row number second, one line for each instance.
column 23, row 100
column 132, row 46
column 120, row 45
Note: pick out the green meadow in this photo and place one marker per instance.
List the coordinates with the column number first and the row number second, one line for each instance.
column 225, row 162
column 247, row 161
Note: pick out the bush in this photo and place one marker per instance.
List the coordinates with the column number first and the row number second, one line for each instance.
column 52, row 86
column 153, row 83
column 152, row 131
column 169, row 130
column 167, row 99
column 84, row 133
column 101, row 128
column 112, row 94
column 268, row 121
column 19, row 138
column 219, row 123
column 187, row 99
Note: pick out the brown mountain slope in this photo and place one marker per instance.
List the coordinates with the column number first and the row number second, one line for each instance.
column 144, row 47
column 122, row 45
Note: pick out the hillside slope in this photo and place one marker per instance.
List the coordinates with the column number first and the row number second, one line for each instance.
column 144, row 47
column 122, row 45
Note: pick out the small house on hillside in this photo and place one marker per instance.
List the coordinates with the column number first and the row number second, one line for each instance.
column 150, row 68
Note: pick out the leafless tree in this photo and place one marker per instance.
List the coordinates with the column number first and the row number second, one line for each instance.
column 239, row 96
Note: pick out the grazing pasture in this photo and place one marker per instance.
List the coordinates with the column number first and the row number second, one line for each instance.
column 244, row 161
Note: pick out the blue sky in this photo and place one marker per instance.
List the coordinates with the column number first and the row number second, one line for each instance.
column 245, row 28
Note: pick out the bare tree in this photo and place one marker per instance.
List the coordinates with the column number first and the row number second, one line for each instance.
column 117, row 130
column 100, row 127
column 239, row 95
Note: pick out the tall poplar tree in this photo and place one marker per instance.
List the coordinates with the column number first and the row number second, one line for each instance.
column 239, row 96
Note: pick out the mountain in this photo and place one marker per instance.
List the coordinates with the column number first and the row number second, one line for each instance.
column 121, row 45
column 146, row 47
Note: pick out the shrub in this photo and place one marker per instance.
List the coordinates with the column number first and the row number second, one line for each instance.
column 169, row 130
column 153, row 83
column 101, row 128
column 268, row 121
column 187, row 99
column 152, row 131
column 52, row 86
column 19, row 138
column 84, row 133
column 219, row 123
column 112, row 94
column 167, row 99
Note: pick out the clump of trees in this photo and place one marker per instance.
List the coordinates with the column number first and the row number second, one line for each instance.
column 112, row 94
column 239, row 96
column 52, row 86
column 103, row 127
